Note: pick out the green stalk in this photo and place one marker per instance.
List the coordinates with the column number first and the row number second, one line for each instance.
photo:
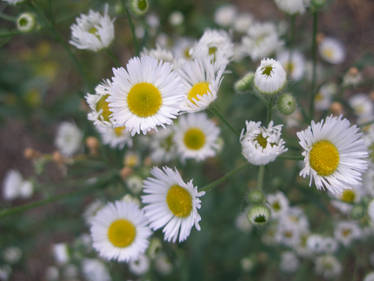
column 290, row 157
column 101, row 182
column 214, row 110
column 260, row 177
column 222, row 179
column 135, row 40
column 8, row 18
column 314, row 57
column 269, row 110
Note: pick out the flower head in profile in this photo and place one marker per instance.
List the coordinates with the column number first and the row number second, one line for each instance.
column 335, row 154
column 332, row 50
column 115, row 137
column 145, row 95
column 92, row 31
column 261, row 145
column 270, row 77
column 68, row 138
column 171, row 204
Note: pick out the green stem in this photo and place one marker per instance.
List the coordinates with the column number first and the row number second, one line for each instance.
column 222, row 179
column 290, row 157
column 314, row 57
column 269, row 110
column 9, row 34
column 102, row 181
column 214, row 110
column 8, row 18
column 134, row 38
column 260, row 177
column 112, row 56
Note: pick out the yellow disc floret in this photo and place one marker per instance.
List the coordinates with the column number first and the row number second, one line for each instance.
column 324, row 157
column 103, row 105
column 144, row 99
column 194, row 138
column 118, row 131
column 121, row 233
column 199, row 89
column 348, row 196
column 179, row 201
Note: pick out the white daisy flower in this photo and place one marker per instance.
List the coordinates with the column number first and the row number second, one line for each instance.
column 216, row 45
column 201, row 81
column 323, row 98
column 328, row 266
column 261, row 145
column 159, row 53
column 100, row 112
column 145, row 95
column 115, row 137
column 369, row 276
column 12, row 254
column 293, row 62
column 314, row 243
column 196, row 136
column 11, row 184
column 347, row 231
column 163, row 148
column 363, row 107
column 270, row 77
column 334, row 154
column 262, row 40
column 68, row 138
column 92, row 31
column 26, row 22
column 242, row 22
column 134, row 183
column 278, row 204
column 329, row 245
column 331, row 50
column 225, row 15
column 176, row 18
column 258, row 214
column 289, row 262
column 292, row 6
column 140, row 265
column 60, row 253
column 95, row 270
column 171, row 203
column 182, row 48
column 119, row 231
column 242, row 223
column 371, row 211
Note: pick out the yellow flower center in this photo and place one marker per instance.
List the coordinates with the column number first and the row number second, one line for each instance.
column 187, row 53
column 194, row 138
column 93, row 30
column 199, row 89
column 346, row 232
column 119, row 131
column 212, row 50
column 318, row 97
column 329, row 53
column 179, row 201
column 348, row 196
column 121, row 233
column 324, row 158
column 276, row 206
column 142, row 5
column 261, row 140
column 144, row 99
column 103, row 105
column 267, row 70
column 290, row 67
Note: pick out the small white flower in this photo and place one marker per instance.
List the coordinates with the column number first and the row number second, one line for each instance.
column 225, row 15
column 145, row 95
column 119, row 231
column 163, row 147
column 160, row 54
column 262, row 40
column 315, row 243
column 140, row 265
column 12, row 254
column 171, row 204
column 201, row 80
column 293, row 62
column 278, row 204
column 216, row 45
column 242, row 22
column 176, row 18
column 363, row 107
column 323, row 98
column 328, row 266
column 346, row 231
column 163, row 264
column 134, row 183
column 25, row 22
column 182, row 49
column 242, row 222
column 14, row 186
column 68, row 138
column 92, row 31
column 196, row 136
column 115, row 137
column 289, row 262
column 335, row 155
column 270, row 77
column 369, row 276
column 60, row 253
column 293, row 6
column 329, row 245
column 95, row 270
column 331, row 50
column 261, row 145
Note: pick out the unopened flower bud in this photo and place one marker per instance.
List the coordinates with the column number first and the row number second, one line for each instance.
column 139, row 7
column 125, row 172
column 286, row 104
column 26, row 22
column 259, row 215
column 256, row 196
column 245, row 83
column 336, row 108
column 30, row 153
column 92, row 144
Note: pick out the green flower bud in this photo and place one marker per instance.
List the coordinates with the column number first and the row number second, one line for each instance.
column 256, row 196
column 26, row 22
column 286, row 104
column 245, row 83
column 139, row 7
column 259, row 215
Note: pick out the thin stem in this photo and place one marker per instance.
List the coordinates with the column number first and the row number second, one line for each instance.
column 222, row 179
column 112, row 56
column 102, row 181
column 8, row 18
column 223, row 119
column 314, row 57
column 134, row 38
column 290, row 157
column 9, row 34
column 269, row 110
column 260, row 177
